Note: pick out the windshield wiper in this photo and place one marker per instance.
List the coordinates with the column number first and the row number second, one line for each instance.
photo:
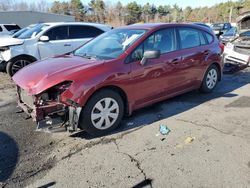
column 87, row 56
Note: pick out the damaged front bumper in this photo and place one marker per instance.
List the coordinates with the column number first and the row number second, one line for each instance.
column 48, row 115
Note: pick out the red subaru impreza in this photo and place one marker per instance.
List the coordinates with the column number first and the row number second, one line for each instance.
column 118, row 72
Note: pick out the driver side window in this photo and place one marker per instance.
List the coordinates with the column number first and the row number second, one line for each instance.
column 163, row 40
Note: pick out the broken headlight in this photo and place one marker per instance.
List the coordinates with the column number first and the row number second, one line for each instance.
column 53, row 93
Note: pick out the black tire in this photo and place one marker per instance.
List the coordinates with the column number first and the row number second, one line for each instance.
column 9, row 68
column 205, row 87
column 85, row 122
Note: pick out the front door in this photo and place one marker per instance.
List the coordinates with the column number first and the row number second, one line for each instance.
column 58, row 44
column 156, row 76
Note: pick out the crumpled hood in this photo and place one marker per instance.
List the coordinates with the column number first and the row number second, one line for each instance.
column 41, row 75
column 6, row 41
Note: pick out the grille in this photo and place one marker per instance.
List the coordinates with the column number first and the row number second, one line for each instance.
column 25, row 98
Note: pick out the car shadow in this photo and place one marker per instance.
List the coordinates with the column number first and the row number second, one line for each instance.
column 8, row 156
column 178, row 104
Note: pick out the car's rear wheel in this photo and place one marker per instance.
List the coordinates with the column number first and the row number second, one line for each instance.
column 17, row 63
column 210, row 79
column 102, row 113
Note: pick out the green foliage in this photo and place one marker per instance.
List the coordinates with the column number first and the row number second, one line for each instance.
column 134, row 12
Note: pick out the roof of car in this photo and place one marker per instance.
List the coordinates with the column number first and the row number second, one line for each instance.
column 98, row 25
column 159, row 25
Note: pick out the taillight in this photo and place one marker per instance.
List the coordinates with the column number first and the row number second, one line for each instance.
column 221, row 47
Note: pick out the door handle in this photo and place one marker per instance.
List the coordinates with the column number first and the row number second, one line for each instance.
column 175, row 61
column 67, row 44
column 206, row 52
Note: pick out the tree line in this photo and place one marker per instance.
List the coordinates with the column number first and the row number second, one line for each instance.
column 122, row 14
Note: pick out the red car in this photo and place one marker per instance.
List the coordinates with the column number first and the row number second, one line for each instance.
column 118, row 72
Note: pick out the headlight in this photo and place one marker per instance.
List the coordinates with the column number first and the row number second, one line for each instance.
column 53, row 93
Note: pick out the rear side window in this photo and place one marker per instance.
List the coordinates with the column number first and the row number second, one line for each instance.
column 58, row 33
column 11, row 27
column 189, row 37
column 78, row 31
column 209, row 38
column 1, row 29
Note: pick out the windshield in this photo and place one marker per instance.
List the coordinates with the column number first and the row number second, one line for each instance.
column 110, row 45
column 231, row 32
column 29, row 33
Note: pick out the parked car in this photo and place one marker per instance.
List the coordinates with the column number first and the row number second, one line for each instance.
column 118, row 72
column 46, row 40
column 237, row 51
column 228, row 36
column 8, row 29
column 220, row 28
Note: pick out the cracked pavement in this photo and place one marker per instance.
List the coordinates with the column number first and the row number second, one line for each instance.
column 137, row 155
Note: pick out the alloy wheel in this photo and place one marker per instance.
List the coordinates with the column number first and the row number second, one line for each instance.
column 19, row 64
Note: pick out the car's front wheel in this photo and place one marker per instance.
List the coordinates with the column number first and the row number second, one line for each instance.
column 102, row 113
column 17, row 63
column 210, row 79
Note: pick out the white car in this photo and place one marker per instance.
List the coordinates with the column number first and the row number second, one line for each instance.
column 8, row 29
column 237, row 52
column 46, row 40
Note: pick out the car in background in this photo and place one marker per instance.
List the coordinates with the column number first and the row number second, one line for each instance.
column 119, row 72
column 228, row 36
column 46, row 40
column 15, row 34
column 237, row 52
column 220, row 28
column 8, row 29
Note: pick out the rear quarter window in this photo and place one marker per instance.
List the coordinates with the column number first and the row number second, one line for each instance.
column 209, row 37
column 11, row 27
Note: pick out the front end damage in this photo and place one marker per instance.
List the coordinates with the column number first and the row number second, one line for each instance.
column 47, row 110
column 237, row 52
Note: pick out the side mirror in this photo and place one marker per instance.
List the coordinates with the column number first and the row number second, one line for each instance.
column 152, row 54
column 44, row 38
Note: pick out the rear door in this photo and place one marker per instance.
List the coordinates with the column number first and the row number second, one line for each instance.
column 80, row 34
column 59, row 42
column 193, row 49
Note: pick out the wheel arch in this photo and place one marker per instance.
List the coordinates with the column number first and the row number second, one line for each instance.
column 219, row 69
column 24, row 55
column 118, row 90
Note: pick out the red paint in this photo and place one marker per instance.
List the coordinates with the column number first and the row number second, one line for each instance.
column 158, row 79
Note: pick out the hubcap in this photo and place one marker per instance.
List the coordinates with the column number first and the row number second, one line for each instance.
column 105, row 113
column 18, row 65
column 211, row 78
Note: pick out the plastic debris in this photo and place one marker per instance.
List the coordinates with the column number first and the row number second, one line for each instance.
column 164, row 130
column 189, row 140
